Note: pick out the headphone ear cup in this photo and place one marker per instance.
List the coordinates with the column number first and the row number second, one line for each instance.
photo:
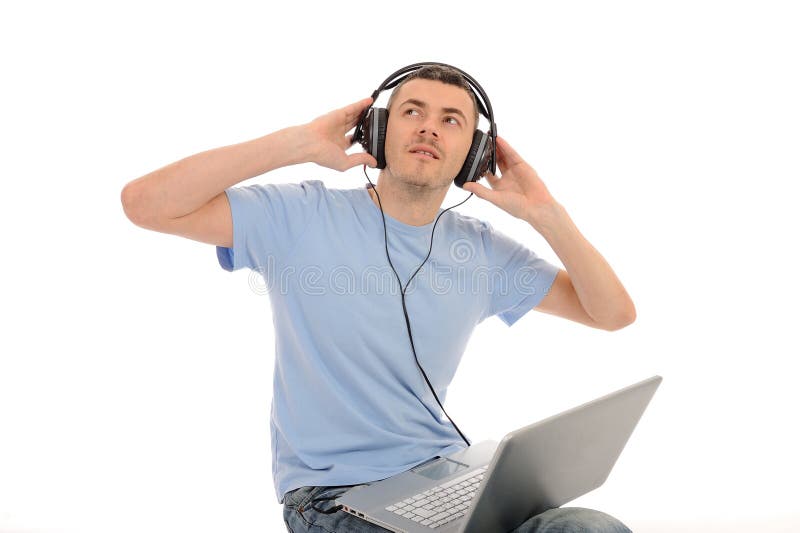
column 382, row 118
column 478, row 158
column 373, row 138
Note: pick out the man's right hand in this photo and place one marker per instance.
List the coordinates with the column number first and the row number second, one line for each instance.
column 187, row 197
column 326, row 138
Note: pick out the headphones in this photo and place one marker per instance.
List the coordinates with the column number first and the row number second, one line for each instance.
column 482, row 156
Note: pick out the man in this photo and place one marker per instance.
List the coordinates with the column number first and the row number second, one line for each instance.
column 349, row 404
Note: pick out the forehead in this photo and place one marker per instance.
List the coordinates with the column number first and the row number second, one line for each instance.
column 435, row 93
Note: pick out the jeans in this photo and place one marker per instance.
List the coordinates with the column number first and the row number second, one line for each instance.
column 300, row 516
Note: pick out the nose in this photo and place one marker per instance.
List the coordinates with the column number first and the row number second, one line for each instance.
column 428, row 127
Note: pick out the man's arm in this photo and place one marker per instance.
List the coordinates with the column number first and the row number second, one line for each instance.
column 187, row 197
column 562, row 301
column 588, row 291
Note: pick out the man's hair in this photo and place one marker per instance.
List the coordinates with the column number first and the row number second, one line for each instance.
column 443, row 74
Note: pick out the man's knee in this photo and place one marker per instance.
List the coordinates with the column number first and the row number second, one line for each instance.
column 575, row 519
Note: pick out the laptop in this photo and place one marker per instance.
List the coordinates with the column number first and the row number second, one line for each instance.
column 491, row 487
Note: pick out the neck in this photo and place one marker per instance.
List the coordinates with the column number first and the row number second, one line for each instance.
column 408, row 203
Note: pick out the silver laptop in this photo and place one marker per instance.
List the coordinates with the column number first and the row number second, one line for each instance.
column 491, row 487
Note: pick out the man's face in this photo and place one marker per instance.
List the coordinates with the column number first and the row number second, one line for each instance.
column 432, row 116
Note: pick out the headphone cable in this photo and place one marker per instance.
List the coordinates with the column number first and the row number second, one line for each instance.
column 403, row 292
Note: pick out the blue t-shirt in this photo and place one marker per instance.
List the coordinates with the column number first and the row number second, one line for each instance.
column 349, row 403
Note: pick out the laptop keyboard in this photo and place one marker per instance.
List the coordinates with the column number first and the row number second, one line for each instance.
column 441, row 504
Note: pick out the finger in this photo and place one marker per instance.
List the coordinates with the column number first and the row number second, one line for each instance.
column 361, row 158
column 347, row 141
column 507, row 154
column 480, row 191
column 501, row 160
column 344, row 142
column 492, row 179
column 354, row 110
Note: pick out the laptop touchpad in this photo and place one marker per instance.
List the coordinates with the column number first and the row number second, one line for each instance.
column 439, row 469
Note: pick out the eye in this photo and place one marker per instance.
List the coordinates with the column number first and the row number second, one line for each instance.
column 454, row 119
column 411, row 111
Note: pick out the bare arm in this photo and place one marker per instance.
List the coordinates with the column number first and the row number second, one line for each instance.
column 588, row 291
column 187, row 197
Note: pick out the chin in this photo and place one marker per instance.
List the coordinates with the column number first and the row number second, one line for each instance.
column 420, row 181
column 427, row 179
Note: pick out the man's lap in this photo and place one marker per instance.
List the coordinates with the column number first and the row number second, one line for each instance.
column 299, row 515
column 572, row 519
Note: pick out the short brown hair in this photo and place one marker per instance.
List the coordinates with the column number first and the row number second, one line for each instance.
column 443, row 74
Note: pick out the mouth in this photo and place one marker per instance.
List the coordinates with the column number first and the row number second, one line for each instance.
column 425, row 152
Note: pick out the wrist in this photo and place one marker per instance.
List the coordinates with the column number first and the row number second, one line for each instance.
column 547, row 219
column 297, row 147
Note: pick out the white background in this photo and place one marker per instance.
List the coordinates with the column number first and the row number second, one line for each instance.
column 135, row 376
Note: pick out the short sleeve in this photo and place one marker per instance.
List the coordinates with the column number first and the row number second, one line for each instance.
column 526, row 278
column 268, row 220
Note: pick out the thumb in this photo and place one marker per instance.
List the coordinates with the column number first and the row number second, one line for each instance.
column 361, row 158
column 480, row 191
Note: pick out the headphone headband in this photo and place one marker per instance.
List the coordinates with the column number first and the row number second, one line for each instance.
column 484, row 106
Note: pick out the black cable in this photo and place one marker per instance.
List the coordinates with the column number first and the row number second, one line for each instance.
column 408, row 327
column 403, row 292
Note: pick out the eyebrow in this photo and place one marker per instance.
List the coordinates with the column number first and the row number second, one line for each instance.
column 423, row 105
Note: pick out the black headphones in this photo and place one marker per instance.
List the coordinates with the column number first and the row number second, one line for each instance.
column 482, row 155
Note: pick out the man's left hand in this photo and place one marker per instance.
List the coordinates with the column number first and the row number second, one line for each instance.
column 519, row 191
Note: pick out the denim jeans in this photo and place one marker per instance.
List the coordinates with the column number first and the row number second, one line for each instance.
column 300, row 516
